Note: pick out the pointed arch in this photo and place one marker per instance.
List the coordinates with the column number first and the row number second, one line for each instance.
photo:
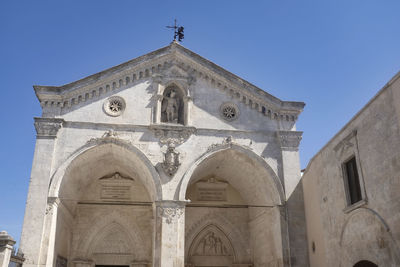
column 94, row 148
column 104, row 225
column 215, row 219
column 246, row 154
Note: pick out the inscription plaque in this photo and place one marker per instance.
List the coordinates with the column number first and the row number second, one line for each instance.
column 211, row 190
column 122, row 192
column 116, row 187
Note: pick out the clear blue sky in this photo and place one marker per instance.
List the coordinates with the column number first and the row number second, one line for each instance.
column 333, row 55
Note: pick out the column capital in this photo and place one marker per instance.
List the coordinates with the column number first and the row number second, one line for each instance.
column 6, row 240
column 170, row 210
column 289, row 140
column 47, row 127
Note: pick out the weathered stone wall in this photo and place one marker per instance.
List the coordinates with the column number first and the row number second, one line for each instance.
column 344, row 234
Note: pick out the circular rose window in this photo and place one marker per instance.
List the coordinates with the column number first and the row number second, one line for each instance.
column 114, row 106
column 229, row 111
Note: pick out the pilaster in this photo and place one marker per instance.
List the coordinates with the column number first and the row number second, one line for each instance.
column 293, row 213
column 169, row 247
column 289, row 142
column 36, row 204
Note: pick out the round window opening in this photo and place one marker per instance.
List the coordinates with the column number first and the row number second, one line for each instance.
column 229, row 111
column 114, row 106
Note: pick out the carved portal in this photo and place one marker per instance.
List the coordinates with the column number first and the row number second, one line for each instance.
column 172, row 110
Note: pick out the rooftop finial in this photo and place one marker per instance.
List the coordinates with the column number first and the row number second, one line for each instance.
column 178, row 31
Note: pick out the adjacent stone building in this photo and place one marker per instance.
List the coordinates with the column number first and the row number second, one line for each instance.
column 165, row 160
column 352, row 189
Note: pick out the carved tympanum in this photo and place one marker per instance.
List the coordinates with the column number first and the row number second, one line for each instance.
column 210, row 245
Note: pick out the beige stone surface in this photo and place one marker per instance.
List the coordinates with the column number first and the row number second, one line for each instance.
column 368, row 230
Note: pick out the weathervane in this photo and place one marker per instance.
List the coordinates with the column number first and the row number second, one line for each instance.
column 178, row 31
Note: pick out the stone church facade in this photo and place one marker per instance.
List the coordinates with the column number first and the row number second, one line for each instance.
column 165, row 160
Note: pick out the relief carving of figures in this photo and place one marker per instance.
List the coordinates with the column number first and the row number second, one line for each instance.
column 172, row 106
column 211, row 245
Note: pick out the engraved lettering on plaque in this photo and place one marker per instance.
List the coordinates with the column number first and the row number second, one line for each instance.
column 211, row 190
column 115, row 192
column 116, row 187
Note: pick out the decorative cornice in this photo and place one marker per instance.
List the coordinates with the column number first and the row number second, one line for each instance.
column 155, row 66
column 47, row 127
column 289, row 139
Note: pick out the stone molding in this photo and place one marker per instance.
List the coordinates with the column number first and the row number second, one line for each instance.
column 180, row 58
column 289, row 139
column 47, row 127
column 346, row 144
column 171, row 210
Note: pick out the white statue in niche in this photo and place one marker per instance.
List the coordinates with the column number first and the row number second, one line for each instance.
column 171, row 107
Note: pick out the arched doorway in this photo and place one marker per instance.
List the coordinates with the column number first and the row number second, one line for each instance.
column 365, row 263
column 233, row 216
column 105, row 215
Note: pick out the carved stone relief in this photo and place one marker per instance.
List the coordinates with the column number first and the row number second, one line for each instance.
column 172, row 136
column 171, row 160
column 114, row 106
column 171, row 210
column 211, row 244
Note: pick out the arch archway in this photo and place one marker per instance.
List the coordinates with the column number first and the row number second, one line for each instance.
column 365, row 235
column 237, row 185
column 106, row 148
column 107, row 184
column 267, row 176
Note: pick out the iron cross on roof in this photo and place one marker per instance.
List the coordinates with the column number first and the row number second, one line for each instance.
column 178, row 31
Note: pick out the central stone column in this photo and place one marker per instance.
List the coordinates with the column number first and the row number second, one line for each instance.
column 169, row 247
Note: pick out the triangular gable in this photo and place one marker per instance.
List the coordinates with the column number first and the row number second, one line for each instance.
column 173, row 60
